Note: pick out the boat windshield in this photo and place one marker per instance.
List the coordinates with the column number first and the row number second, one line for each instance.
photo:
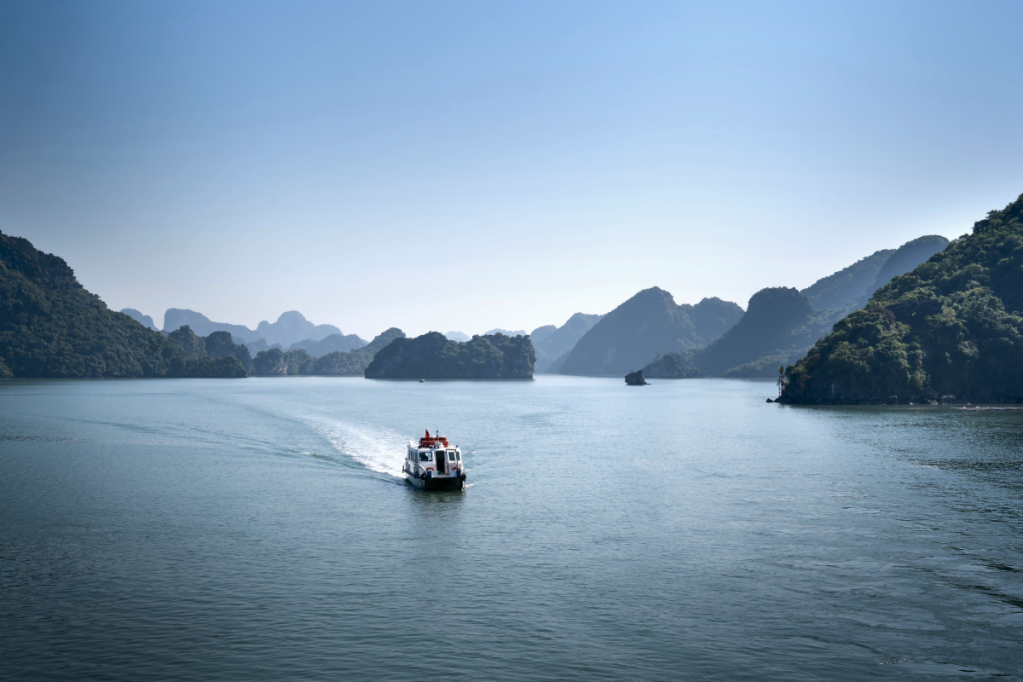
column 425, row 457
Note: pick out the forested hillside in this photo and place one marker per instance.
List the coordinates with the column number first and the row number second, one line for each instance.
column 949, row 330
column 778, row 327
column 780, row 324
column 848, row 284
column 50, row 326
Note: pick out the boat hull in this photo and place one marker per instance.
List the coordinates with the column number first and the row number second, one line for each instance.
column 438, row 483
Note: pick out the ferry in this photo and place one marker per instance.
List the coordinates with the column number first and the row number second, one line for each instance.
column 434, row 464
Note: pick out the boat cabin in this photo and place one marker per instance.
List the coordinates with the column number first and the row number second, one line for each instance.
column 433, row 458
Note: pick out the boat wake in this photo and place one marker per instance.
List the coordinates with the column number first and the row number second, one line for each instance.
column 370, row 447
column 376, row 449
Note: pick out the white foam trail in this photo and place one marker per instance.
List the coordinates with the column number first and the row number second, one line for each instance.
column 377, row 450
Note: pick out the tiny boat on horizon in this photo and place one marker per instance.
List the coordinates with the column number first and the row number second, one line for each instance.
column 434, row 464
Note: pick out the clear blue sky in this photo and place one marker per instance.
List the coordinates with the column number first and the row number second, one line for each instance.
column 467, row 165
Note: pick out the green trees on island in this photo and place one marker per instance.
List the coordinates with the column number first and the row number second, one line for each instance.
column 949, row 329
column 433, row 356
column 352, row 363
column 50, row 326
column 215, row 355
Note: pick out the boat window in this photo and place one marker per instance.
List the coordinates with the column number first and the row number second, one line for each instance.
column 425, row 457
column 451, row 456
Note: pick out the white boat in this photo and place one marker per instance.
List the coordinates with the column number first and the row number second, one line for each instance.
column 434, row 464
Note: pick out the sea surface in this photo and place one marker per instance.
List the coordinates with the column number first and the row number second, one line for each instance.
column 259, row 529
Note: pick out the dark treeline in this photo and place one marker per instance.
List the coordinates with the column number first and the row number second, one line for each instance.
column 52, row 327
column 433, row 356
column 950, row 330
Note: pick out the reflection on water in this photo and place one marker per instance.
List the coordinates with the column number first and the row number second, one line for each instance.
column 260, row 529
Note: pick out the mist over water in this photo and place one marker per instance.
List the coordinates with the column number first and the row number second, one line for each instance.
column 259, row 530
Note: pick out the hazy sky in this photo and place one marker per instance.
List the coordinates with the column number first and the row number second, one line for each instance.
column 468, row 165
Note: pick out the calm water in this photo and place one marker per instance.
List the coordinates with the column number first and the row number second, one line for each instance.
column 258, row 530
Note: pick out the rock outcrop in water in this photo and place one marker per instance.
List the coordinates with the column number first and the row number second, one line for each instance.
column 951, row 327
column 433, row 356
column 636, row 378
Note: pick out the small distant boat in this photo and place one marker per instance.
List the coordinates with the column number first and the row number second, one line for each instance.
column 434, row 464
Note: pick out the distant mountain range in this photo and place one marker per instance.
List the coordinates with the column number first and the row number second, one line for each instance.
column 553, row 344
column 550, row 343
column 781, row 324
column 848, row 284
column 144, row 320
column 778, row 326
column 176, row 318
column 290, row 328
column 354, row 362
column 276, row 362
column 647, row 325
column 330, row 344
column 713, row 337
